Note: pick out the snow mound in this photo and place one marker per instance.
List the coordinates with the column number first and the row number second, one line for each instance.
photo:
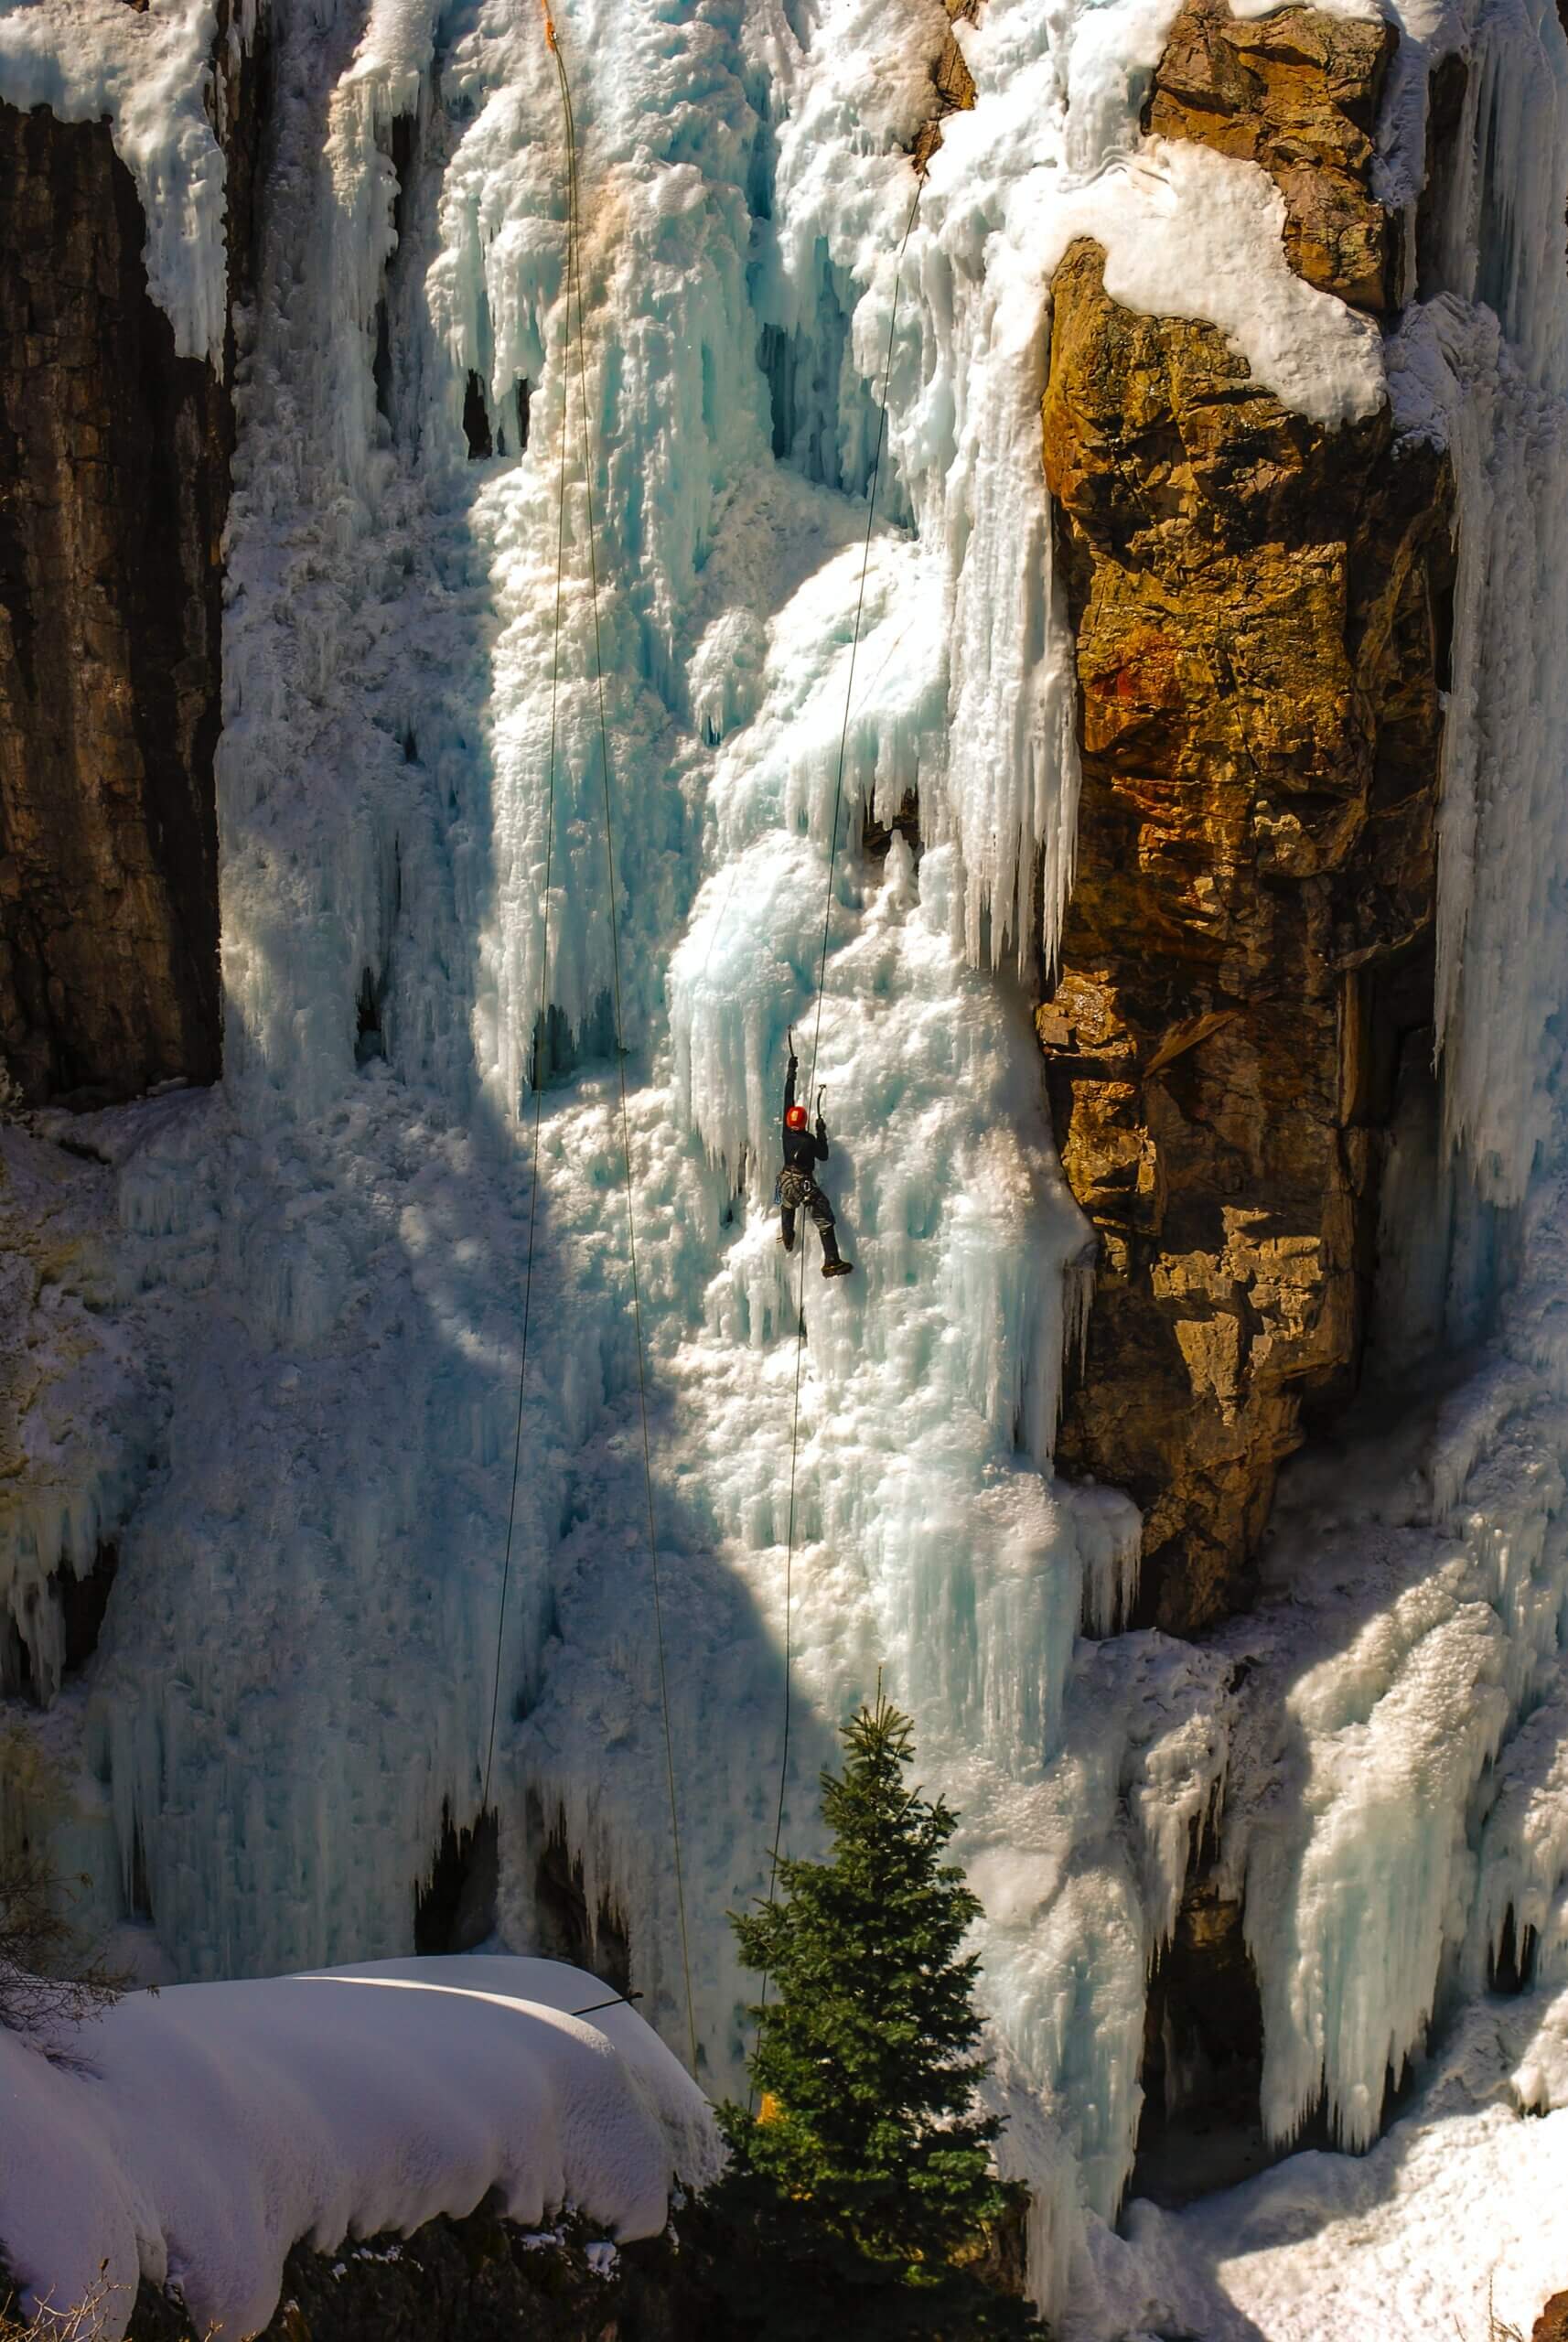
column 193, row 2136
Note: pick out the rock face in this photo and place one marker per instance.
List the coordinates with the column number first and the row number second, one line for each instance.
column 1297, row 92
column 484, row 2279
column 481, row 2279
column 1552, row 2325
column 1262, row 610
column 953, row 80
column 114, row 492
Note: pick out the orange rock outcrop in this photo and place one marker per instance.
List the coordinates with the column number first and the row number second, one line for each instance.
column 1261, row 608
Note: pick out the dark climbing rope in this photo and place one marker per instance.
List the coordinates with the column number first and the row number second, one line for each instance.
column 616, row 2001
column 816, row 1039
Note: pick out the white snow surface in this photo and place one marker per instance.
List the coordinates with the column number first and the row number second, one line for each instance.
column 194, row 2136
column 281, row 1349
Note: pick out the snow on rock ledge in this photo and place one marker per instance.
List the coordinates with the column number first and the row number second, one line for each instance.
column 200, row 2134
column 1189, row 234
column 150, row 71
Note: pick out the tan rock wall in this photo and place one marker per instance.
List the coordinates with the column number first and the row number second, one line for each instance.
column 951, row 80
column 113, row 492
column 1261, row 610
column 1297, row 92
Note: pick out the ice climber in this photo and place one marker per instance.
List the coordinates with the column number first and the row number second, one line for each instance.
column 796, row 1188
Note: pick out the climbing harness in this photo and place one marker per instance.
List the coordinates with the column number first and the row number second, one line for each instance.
column 575, row 299
column 816, row 1039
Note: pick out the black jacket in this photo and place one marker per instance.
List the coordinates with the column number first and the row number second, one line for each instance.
column 803, row 1150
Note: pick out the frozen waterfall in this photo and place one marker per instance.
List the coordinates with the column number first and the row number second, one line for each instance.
column 302, row 1352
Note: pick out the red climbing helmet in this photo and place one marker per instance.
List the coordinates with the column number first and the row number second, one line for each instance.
column 795, row 1118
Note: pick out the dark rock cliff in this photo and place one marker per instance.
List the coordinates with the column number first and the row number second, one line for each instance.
column 482, row 2279
column 1552, row 2325
column 1261, row 610
column 114, row 458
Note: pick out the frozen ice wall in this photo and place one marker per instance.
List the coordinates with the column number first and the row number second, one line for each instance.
column 321, row 1269
column 318, row 1274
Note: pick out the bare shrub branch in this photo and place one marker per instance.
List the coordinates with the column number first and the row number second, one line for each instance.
column 50, row 1979
column 85, row 2323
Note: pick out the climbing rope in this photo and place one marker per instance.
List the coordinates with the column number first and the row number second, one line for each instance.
column 539, row 1027
column 575, row 289
column 575, row 298
column 816, row 1039
column 574, row 301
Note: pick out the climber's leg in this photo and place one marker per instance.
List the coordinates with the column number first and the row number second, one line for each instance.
column 822, row 1211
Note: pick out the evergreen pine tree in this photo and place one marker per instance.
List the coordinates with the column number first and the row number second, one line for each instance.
column 868, row 2175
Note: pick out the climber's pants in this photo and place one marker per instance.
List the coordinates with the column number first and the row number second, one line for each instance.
column 797, row 1192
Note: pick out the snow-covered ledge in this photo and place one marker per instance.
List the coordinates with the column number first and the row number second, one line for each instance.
column 197, row 2133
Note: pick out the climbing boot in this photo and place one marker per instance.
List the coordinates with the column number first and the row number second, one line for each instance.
column 837, row 1268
